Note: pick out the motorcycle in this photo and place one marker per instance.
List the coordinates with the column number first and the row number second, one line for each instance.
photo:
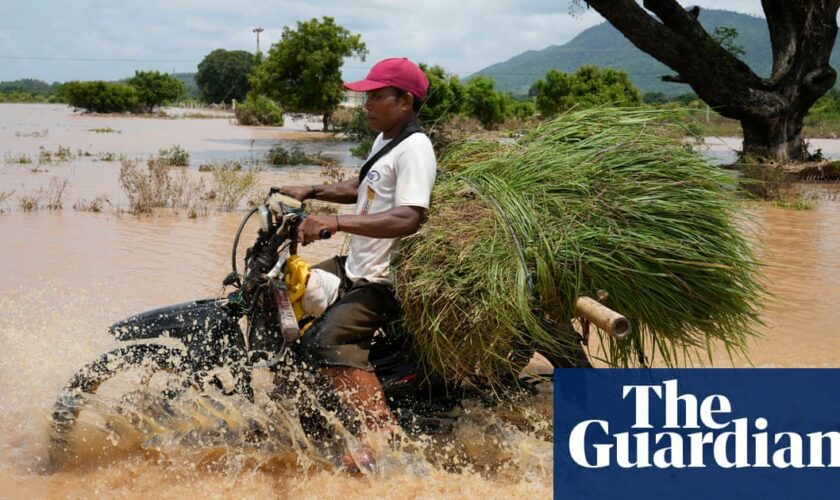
column 204, row 345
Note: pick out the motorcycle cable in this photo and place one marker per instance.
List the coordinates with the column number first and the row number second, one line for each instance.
column 235, row 273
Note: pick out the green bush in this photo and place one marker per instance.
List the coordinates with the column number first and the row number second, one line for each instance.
column 175, row 156
column 278, row 155
column 443, row 98
column 259, row 110
column 101, row 97
column 482, row 101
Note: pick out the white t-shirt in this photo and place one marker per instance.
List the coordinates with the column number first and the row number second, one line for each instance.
column 402, row 177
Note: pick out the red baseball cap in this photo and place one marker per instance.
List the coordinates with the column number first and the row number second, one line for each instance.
column 396, row 72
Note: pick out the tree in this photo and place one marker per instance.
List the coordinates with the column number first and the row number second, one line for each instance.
column 155, row 88
column 589, row 86
column 223, row 75
column 522, row 108
column 551, row 95
column 302, row 71
column 593, row 86
column 482, row 101
column 100, row 97
column 444, row 95
column 771, row 110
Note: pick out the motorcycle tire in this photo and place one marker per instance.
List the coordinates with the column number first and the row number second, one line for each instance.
column 153, row 358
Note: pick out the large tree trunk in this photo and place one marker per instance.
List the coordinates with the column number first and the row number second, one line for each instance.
column 779, row 139
column 771, row 110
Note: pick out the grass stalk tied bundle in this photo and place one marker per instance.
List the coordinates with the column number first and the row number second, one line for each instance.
column 603, row 198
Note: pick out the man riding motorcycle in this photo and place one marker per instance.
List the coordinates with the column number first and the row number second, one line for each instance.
column 391, row 194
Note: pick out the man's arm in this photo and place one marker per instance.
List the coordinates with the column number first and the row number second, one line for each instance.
column 340, row 192
column 392, row 223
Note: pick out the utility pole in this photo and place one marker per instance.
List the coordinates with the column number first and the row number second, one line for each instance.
column 258, row 31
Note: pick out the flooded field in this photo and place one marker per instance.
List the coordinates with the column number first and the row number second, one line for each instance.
column 68, row 274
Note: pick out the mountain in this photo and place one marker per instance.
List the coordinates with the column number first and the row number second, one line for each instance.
column 605, row 46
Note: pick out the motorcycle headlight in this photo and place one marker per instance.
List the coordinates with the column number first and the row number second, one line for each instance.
column 265, row 217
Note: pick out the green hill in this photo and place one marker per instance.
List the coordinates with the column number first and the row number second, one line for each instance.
column 604, row 46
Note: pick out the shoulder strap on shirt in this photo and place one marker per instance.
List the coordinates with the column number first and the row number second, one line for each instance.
column 410, row 128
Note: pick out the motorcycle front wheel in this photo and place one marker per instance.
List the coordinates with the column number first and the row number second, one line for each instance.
column 100, row 384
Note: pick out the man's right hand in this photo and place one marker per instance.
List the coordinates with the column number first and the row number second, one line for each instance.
column 300, row 193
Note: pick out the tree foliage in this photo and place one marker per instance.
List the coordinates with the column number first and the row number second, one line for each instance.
column 588, row 86
column 27, row 86
column 520, row 108
column 593, row 86
column 101, row 97
column 223, row 75
column 302, row 71
column 483, row 102
column 155, row 88
column 552, row 94
column 259, row 110
column 444, row 97
column 725, row 37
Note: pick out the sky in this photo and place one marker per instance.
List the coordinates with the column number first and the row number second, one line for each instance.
column 64, row 40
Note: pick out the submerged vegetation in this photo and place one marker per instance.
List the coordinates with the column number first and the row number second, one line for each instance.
column 155, row 187
column 280, row 156
column 96, row 205
column 231, row 183
column 175, row 156
column 49, row 197
column 605, row 198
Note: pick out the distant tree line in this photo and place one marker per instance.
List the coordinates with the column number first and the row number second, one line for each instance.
column 301, row 74
column 28, row 90
column 141, row 93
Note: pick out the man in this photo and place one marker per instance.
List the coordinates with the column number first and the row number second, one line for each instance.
column 390, row 201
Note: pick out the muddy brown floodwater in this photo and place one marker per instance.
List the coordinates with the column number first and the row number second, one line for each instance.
column 67, row 275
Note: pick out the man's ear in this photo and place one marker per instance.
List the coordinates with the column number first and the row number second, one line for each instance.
column 408, row 100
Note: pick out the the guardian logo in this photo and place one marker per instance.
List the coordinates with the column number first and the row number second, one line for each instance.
column 695, row 432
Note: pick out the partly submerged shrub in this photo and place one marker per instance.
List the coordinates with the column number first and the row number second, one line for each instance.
column 280, row 156
column 101, row 97
column 231, row 183
column 155, row 187
column 259, row 110
column 175, row 156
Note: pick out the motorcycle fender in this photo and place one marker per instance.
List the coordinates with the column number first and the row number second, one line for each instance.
column 198, row 324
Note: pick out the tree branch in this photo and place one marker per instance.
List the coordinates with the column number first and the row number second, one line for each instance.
column 675, row 16
column 679, row 41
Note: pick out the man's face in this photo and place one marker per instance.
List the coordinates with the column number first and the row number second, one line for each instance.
column 386, row 110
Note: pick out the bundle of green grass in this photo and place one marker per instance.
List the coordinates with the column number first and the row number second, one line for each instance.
column 599, row 199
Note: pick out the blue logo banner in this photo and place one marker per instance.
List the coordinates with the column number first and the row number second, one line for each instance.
column 697, row 433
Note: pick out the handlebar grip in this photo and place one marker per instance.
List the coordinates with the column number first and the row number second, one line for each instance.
column 325, row 234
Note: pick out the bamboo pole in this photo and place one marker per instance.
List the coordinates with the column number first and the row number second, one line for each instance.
column 603, row 317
